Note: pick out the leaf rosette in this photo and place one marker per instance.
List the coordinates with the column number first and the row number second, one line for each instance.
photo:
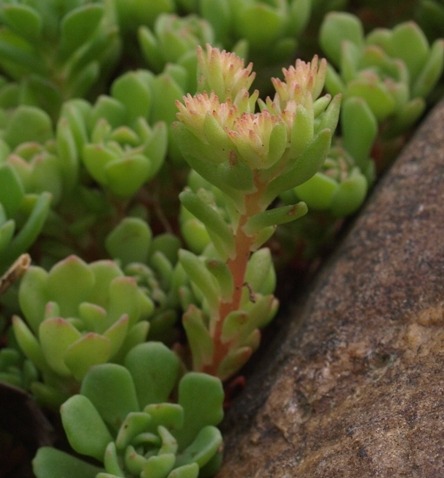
column 77, row 315
column 123, row 418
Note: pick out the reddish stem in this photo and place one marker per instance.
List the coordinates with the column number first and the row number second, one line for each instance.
column 237, row 267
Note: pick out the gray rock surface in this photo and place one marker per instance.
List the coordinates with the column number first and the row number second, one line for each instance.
column 353, row 385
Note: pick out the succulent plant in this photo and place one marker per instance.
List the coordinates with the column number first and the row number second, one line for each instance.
column 250, row 158
column 148, row 195
column 123, row 419
column 151, row 263
column 77, row 315
column 174, row 40
column 122, row 151
column 392, row 70
column 22, row 216
column 57, row 51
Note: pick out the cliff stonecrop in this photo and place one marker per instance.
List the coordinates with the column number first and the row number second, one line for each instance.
column 250, row 158
column 148, row 200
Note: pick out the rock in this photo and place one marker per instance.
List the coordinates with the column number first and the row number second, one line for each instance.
column 353, row 384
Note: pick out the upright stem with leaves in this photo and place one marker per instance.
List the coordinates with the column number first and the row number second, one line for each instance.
column 251, row 157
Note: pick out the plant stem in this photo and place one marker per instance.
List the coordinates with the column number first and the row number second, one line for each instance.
column 237, row 267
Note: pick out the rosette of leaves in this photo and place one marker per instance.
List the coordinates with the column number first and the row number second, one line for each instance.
column 124, row 418
column 44, row 159
column 265, row 32
column 121, row 150
column 250, row 158
column 151, row 262
column 57, row 51
column 174, row 39
column 392, row 70
column 77, row 315
column 117, row 149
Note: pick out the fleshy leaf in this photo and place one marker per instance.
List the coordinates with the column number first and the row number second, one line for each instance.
column 69, row 284
column 202, row 449
column 110, row 388
column 170, row 415
column 134, row 424
column 154, row 368
column 158, row 466
column 52, row 463
column 56, row 335
column 84, row 427
column 91, row 349
column 201, row 397
column 130, row 241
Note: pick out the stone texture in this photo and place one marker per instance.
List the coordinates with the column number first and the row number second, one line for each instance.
column 353, row 383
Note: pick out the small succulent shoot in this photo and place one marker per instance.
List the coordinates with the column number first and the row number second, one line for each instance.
column 123, row 151
column 174, row 40
column 123, row 418
column 57, row 52
column 46, row 160
column 265, row 31
column 77, row 315
column 151, row 263
column 251, row 158
column 22, row 216
column 393, row 71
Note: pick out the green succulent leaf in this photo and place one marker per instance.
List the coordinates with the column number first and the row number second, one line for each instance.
column 185, row 471
column 12, row 192
column 134, row 424
column 33, row 296
column 274, row 217
column 84, row 427
column 130, row 241
column 359, row 128
column 28, row 343
column 75, row 272
column 302, row 169
column 28, row 123
column 202, row 449
column 78, row 26
column 111, row 390
column 131, row 90
column 112, row 463
column 56, row 335
column 199, row 338
column 350, row 195
column 317, row 191
column 52, row 463
column 158, row 466
column 154, row 368
column 201, row 397
column 91, row 349
column 23, row 20
column 234, row 361
column 210, row 218
column 126, row 175
column 169, row 415
column 336, row 28
column 430, row 72
column 200, row 276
